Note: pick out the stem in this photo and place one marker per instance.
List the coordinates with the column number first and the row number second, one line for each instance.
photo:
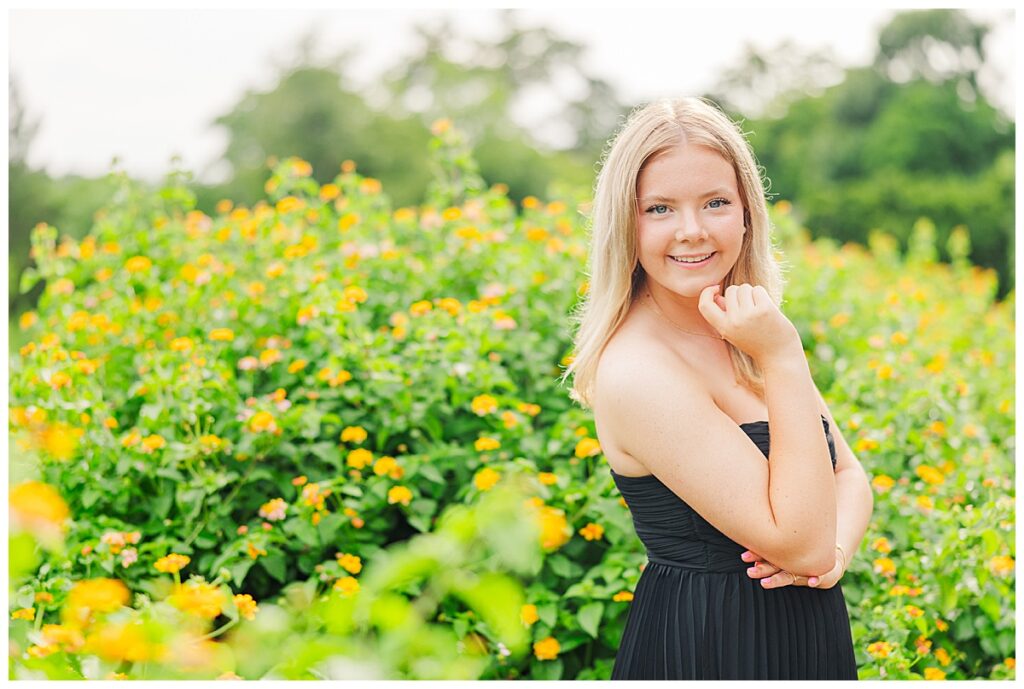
column 218, row 632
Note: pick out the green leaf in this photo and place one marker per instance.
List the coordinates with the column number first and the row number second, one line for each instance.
column 589, row 617
column 546, row 670
column 302, row 530
column 430, row 472
column 274, row 565
column 560, row 565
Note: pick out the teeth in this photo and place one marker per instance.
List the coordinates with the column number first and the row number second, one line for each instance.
column 691, row 260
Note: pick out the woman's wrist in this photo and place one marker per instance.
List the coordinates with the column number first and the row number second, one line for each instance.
column 841, row 555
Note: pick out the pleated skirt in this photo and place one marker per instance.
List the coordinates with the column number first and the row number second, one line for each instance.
column 694, row 624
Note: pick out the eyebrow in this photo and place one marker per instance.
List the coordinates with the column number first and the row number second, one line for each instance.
column 658, row 198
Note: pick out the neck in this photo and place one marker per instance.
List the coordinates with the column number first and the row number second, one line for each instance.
column 681, row 310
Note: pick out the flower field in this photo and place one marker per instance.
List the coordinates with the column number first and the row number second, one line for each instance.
column 325, row 438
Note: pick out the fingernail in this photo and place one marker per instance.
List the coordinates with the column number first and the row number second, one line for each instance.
column 812, row 581
column 765, row 582
column 745, row 556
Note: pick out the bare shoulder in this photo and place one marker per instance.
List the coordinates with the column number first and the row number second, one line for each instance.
column 656, row 408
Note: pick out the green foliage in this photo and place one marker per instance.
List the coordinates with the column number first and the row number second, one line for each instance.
column 285, row 392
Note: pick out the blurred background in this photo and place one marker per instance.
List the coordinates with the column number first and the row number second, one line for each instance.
column 862, row 119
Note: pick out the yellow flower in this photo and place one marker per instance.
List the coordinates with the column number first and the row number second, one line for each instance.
column 421, row 307
column 938, row 428
column 127, row 641
column 899, row 338
column 486, row 478
column 942, row 655
column 138, row 264
column 355, row 294
column 554, row 529
column 941, row 625
column 925, row 502
column 882, row 483
column 592, row 531
column 152, row 442
column 262, row 421
column 24, row 614
column 914, row 611
column 588, row 447
column 934, row 673
column 531, row 202
column 101, row 595
column 385, row 465
column 484, row 404
column 247, row 607
column 483, row 444
column 547, row 478
column 439, row 127
column 884, row 565
column 347, row 586
column 399, row 494
column 839, row 320
column 528, row 614
column 882, row 545
column 880, row 649
column 546, row 649
column 172, row 563
column 274, row 510
column 355, row 434
column 623, row 596
column 329, row 192
column 865, row 445
column 350, row 563
column 198, row 598
column 37, row 508
column 1001, row 565
column 970, row 430
column 929, row 474
column 297, row 365
column 527, row 408
column 359, row 458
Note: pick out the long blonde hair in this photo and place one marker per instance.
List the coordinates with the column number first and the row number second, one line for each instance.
column 615, row 276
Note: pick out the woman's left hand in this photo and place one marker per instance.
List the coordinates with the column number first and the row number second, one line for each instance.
column 774, row 577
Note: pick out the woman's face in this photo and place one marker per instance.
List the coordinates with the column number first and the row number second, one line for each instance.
column 688, row 206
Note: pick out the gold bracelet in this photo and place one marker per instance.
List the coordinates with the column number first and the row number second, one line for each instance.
column 840, row 549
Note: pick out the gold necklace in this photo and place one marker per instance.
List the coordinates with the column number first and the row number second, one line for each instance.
column 654, row 306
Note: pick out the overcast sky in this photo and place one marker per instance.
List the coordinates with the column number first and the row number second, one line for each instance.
column 145, row 85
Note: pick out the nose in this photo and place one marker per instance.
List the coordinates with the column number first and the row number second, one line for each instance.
column 689, row 228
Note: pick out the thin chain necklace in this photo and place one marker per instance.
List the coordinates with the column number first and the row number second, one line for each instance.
column 654, row 306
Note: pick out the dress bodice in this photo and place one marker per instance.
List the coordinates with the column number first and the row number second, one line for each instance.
column 673, row 532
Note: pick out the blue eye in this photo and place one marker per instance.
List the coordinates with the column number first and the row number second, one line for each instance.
column 722, row 202
column 660, row 205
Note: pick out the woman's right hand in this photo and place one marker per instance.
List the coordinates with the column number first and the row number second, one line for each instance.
column 747, row 317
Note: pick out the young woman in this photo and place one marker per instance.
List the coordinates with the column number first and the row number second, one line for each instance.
column 696, row 378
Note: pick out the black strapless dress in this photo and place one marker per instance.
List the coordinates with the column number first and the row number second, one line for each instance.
column 696, row 613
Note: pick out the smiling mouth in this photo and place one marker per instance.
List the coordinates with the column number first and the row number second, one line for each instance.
column 694, row 262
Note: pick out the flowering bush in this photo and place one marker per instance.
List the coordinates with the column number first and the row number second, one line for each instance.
column 298, row 440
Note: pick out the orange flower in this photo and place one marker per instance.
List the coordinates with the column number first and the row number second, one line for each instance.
column 485, row 443
column 588, row 447
column 172, row 563
column 528, row 614
column 247, row 607
column 592, row 531
column 347, row 586
column 355, row 434
column 350, row 563
column 547, row 478
column 546, row 649
column 198, row 598
column 486, row 478
column 399, row 494
column 38, row 508
column 100, row 595
column 623, row 596
column 484, row 404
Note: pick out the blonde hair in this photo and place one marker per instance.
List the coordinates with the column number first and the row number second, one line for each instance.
column 615, row 276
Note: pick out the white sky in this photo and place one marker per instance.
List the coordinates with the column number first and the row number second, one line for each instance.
column 145, row 85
